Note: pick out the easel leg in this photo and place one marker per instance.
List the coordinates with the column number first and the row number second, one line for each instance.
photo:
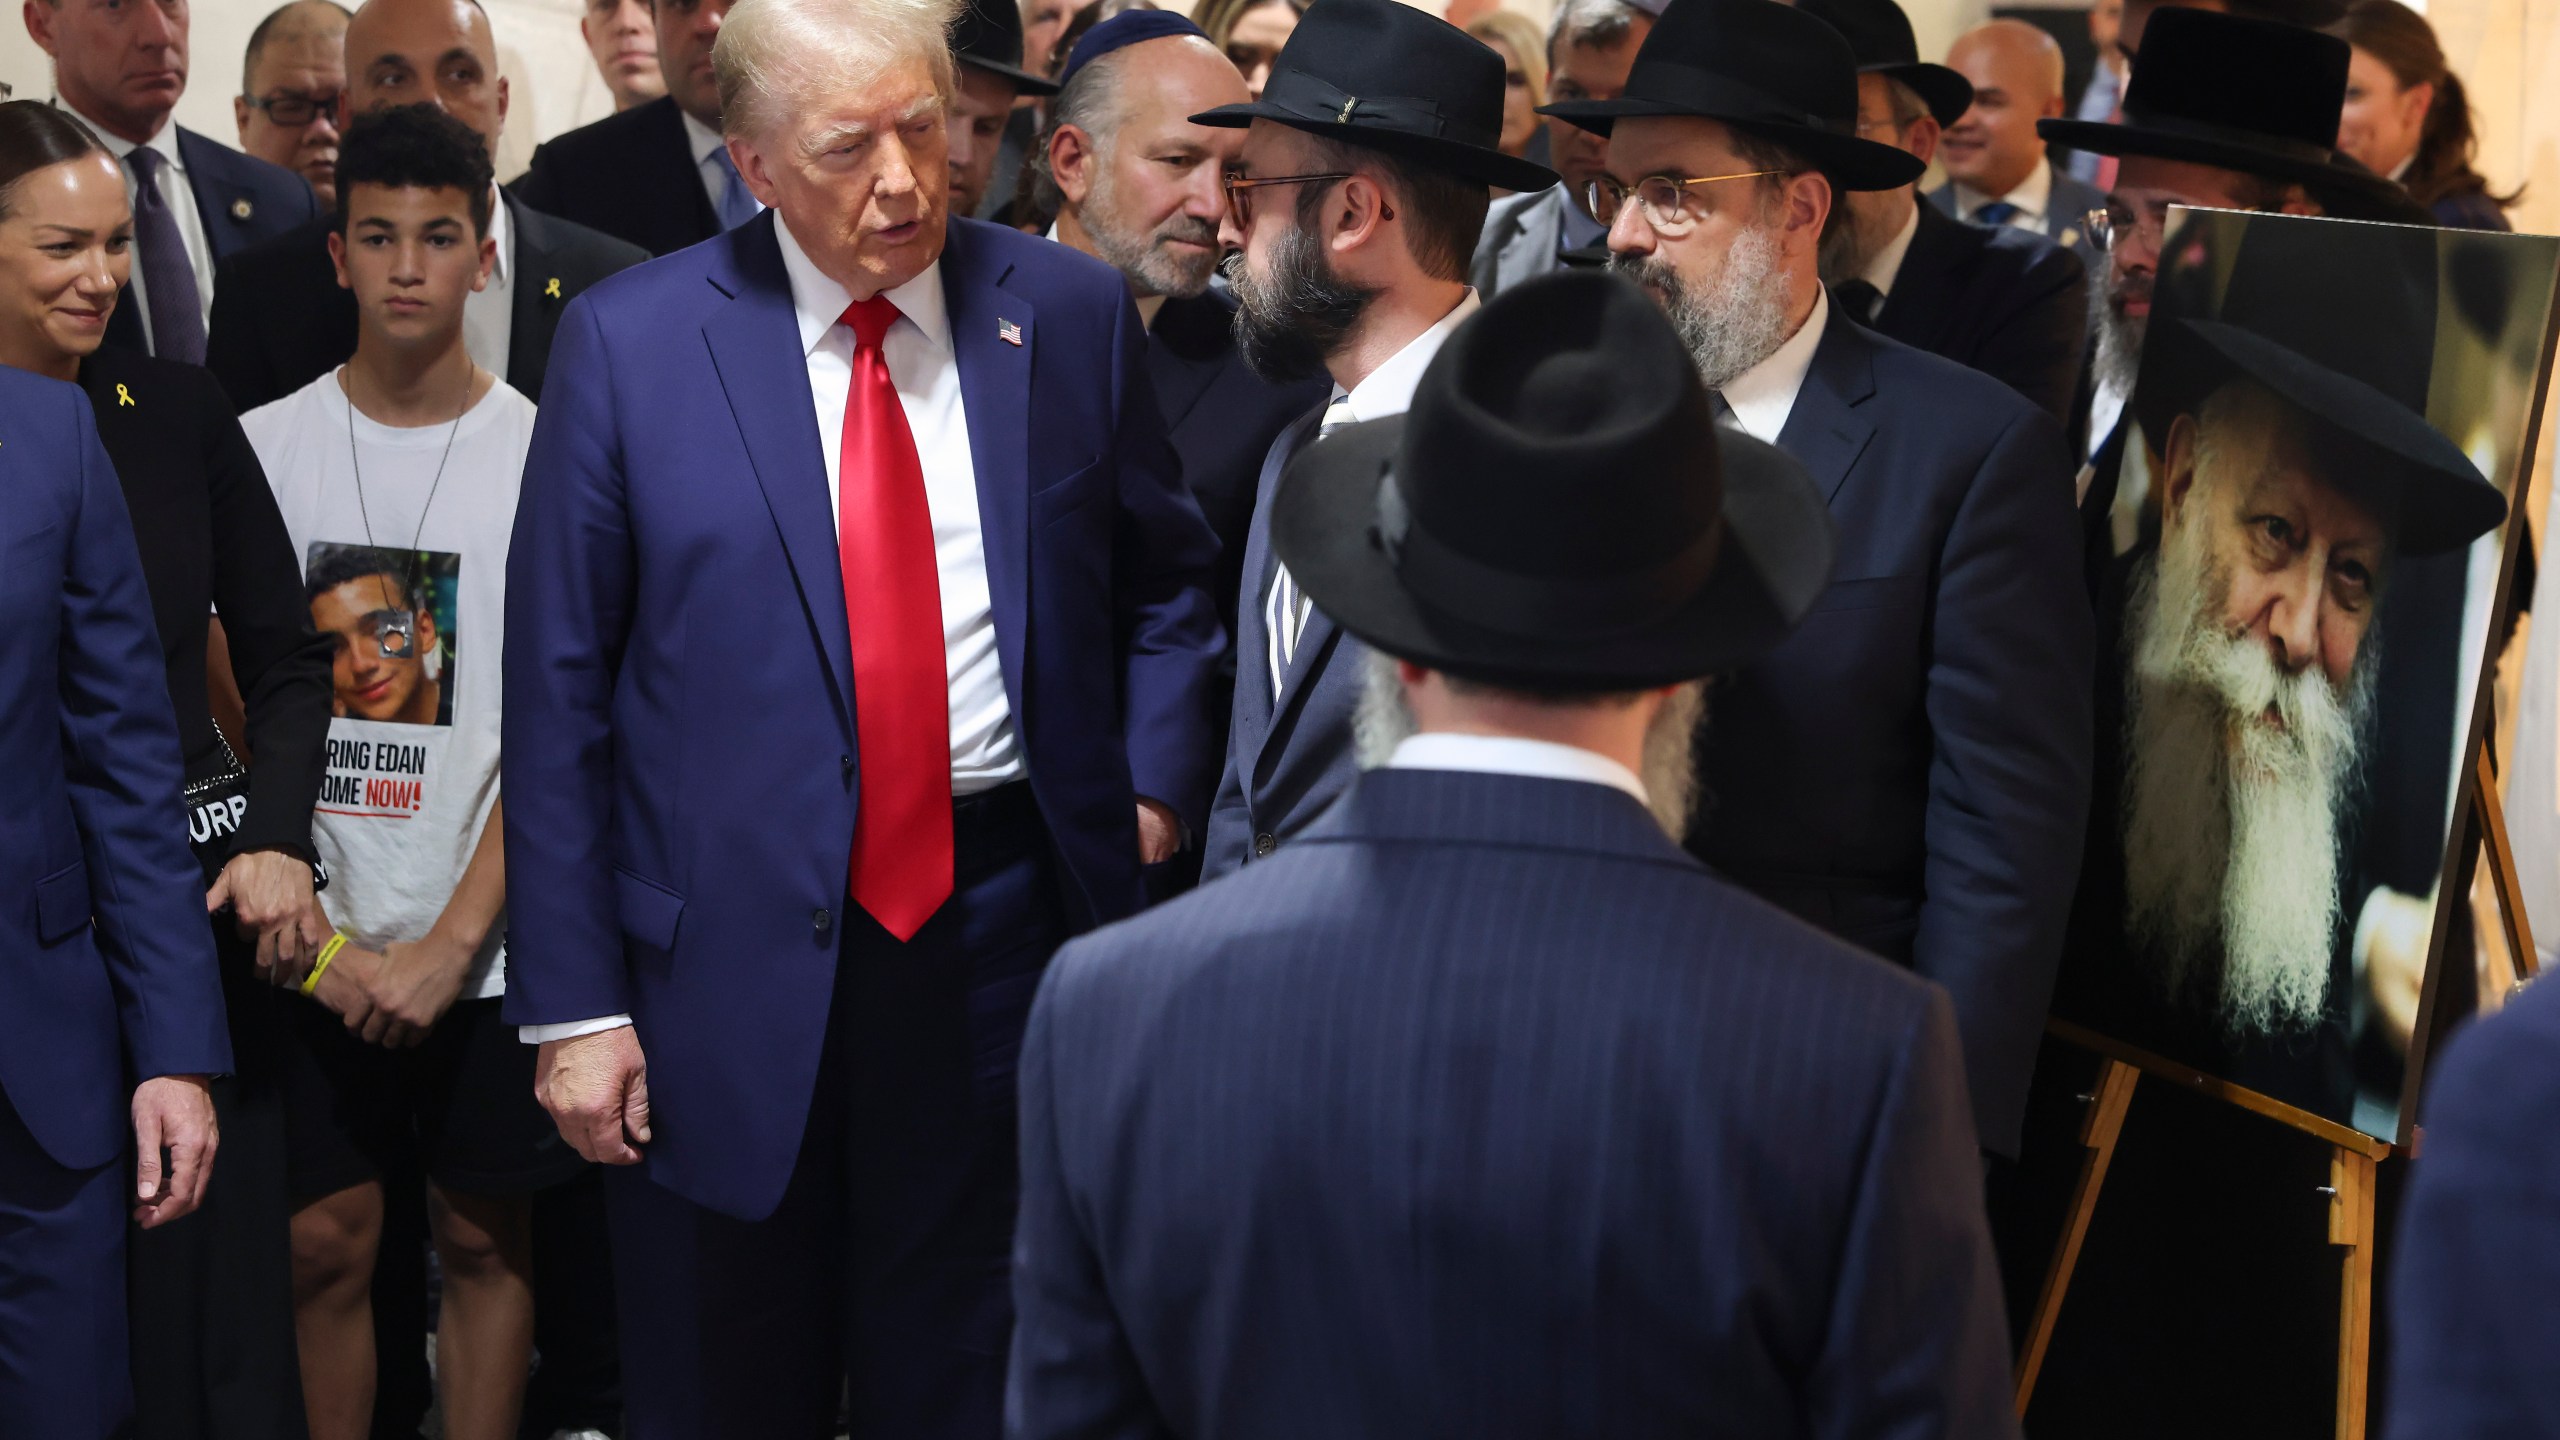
column 2098, row 1131
column 2351, row 1227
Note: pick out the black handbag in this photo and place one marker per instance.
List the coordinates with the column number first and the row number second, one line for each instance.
column 216, row 804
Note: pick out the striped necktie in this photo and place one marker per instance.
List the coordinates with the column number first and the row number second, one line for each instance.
column 1285, row 610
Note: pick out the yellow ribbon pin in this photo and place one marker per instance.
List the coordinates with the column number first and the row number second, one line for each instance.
column 123, row 396
column 552, row 289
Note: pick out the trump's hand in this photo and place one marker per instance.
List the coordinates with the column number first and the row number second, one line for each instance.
column 597, row 1090
column 175, row 1113
column 1159, row 833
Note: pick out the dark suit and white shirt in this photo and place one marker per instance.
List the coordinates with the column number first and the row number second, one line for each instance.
column 1298, row 677
column 2053, row 205
column 170, row 179
column 1529, row 235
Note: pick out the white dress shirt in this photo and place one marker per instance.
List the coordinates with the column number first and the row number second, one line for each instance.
column 2033, row 196
column 175, row 193
column 1763, row 396
column 489, row 315
column 985, row 752
column 1886, row 263
column 1513, row 755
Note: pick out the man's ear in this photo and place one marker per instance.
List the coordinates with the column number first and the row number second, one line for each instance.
column 1808, row 199
column 2177, row 466
column 240, row 117
column 1920, row 137
column 750, row 163
column 1358, row 213
column 1072, row 158
column 488, row 262
column 338, row 259
column 39, row 16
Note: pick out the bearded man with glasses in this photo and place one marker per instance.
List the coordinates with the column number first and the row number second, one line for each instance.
column 1910, row 770
column 1353, row 207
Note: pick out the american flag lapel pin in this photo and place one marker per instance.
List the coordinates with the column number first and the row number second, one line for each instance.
column 1008, row 332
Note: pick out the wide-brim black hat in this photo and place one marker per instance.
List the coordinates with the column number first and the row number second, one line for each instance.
column 988, row 36
column 1767, row 68
column 1384, row 75
column 1558, row 510
column 2357, row 356
column 2257, row 96
column 1879, row 35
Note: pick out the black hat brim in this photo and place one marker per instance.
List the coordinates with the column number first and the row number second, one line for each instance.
column 1946, row 92
column 1774, row 564
column 2353, row 193
column 1851, row 162
column 2445, row 501
column 1024, row 82
column 1482, row 164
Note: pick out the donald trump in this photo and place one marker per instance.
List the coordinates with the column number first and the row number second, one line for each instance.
column 834, row 705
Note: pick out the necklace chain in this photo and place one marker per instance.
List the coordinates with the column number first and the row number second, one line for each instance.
column 363, row 512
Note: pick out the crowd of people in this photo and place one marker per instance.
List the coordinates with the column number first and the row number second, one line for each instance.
column 1070, row 720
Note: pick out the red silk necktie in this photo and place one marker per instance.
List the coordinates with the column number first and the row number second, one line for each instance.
column 901, row 680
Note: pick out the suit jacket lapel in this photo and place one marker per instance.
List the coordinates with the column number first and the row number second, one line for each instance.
column 218, row 202
column 755, row 346
column 1916, row 311
column 1532, row 251
column 528, row 338
column 995, row 379
column 1189, row 347
column 1823, row 432
column 1256, row 707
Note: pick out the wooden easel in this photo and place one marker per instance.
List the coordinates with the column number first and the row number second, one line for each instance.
column 2352, row 1161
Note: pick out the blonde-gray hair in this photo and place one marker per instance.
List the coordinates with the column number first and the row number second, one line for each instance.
column 772, row 54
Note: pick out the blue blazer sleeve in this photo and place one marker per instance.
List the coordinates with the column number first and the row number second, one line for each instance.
column 1171, row 643
column 569, row 602
column 1917, row 1252
column 126, row 780
column 2008, row 781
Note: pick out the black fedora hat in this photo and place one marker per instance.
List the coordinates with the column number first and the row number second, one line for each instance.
column 1768, row 68
column 2357, row 357
column 1558, row 510
column 988, row 35
column 2257, row 96
column 1387, row 76
column 1879, row 34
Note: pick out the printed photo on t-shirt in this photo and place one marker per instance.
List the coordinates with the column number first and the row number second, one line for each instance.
column 394, row 616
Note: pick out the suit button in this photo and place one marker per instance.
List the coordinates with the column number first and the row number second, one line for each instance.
column 1264, row 844
column 819, row 920
column 846, row 761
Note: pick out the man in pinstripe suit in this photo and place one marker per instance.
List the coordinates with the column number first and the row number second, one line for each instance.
column 1483, row 1109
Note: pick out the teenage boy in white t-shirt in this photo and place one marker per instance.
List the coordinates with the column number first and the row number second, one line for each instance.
column 397, row 475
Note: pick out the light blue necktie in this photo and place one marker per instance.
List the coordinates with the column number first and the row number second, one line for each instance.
column 737, row 203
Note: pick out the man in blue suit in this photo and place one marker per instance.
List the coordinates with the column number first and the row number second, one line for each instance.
column 1356, row 226
column 1910, row 771
column 1481, row 1109
column 106, row 958
column 860, row 650
column 2475, row 1282
column 121, row 69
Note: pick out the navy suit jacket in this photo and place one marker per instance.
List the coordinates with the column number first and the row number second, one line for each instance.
column 1482, row 1110
column 630, row 175
column 240, row 199
column 679, row 735
column 106, row 958
column 2475, row 1280
column 1284, row 764
column 2066, row 209
column 2010, row 304
column 1910, row 769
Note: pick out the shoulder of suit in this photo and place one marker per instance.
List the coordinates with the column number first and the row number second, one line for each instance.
column 595, row 253
column 300, row 253
column 1043, row 261
column 275, row 184
column 156, row 388
column 2031, row 254
column 1961, row 401
column 2496, row 1085
column 619, row 130
column 40, row 420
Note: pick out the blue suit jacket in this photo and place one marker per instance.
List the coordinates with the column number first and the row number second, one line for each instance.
column 1481, row 1110
column 679, row 739
column 241, row 200
column 1284, row 763
column 2475, row 1283
column 106, row 958
column 1910, row 769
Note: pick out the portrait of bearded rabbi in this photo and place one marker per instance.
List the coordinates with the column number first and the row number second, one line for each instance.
column 2296, row 467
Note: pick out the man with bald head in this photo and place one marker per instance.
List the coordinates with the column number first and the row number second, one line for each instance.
column 287, row 108
column 1997, row 173
column 288, row 321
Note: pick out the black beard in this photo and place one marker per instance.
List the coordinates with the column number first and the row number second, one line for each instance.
column 1286, row 329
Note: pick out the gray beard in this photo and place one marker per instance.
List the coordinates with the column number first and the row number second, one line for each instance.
column 1150, row 268
column 2231, row 826
column 1733, row 322
column 1670, row 772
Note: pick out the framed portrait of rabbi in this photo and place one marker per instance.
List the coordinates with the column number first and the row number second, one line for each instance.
column 2310, row 576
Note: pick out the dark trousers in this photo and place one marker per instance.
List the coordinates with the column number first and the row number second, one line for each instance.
column 884, row 1275
column 62, row 1341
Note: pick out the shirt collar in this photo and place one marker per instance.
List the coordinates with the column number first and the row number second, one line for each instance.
column 501, row 229
column 165, row 143
column 1887, row 262
column 819, row 302
column 1763, row 396
column 1389, row 388
column 2033, row 195
column 701, row 137
column 1513, row 755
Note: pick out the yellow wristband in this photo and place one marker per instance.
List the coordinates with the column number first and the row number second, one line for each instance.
column 320, row 967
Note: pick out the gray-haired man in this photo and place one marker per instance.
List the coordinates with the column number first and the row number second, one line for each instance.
column 1591, row 44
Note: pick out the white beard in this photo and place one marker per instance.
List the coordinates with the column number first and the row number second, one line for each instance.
column 2231, row 825
column 1670, row 774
